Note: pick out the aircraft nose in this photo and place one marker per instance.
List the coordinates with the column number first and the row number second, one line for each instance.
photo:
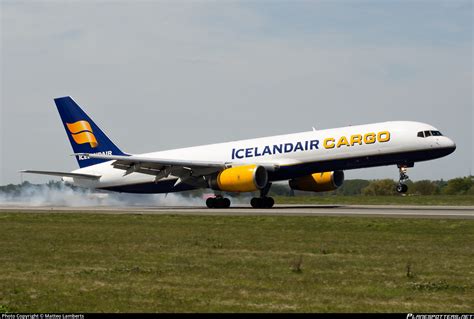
column 450, row 144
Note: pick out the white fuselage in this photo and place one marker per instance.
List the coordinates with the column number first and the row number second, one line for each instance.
column 295, row 155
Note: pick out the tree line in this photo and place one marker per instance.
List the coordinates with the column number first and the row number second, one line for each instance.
column 352, row 187
column 387, row 187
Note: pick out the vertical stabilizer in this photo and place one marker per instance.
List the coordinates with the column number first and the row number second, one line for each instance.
column 84, row 135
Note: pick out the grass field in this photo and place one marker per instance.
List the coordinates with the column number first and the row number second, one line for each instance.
column 168, row 263
column 450, row 200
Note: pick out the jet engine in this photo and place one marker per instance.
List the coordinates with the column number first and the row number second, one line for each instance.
column 318, row 182
column 246, row 178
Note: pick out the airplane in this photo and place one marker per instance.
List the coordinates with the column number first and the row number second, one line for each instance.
column 311, row 161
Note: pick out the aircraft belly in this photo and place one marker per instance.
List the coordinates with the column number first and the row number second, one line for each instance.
column 326, row 165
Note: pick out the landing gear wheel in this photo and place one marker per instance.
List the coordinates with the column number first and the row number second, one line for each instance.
column 226, row 202
column 255, row 202
column 262, row 202
column 218, row 202
column 402, row 188
column 210, row 202
column 268, row 202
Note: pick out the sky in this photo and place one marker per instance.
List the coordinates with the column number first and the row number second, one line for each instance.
column 169, row 74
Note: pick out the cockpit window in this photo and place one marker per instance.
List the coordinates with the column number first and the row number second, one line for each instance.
column 429, row 133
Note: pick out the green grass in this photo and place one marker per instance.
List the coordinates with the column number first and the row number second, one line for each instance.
column 435, row 200
column 167, row 263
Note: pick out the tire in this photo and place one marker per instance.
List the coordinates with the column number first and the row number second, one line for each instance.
column 399, row 188
column 262, row 202
column 226, row 202
column 269, row 202
column 210, row 202
column 402, row 188
column 219, row 203
column 255, row 202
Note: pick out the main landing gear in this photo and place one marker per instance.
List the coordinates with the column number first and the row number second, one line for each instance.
column 263, row 201
column 218, row 202
column 401, row 187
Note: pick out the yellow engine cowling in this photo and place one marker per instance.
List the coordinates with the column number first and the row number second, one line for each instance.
column 318, row 182
column 247, row 178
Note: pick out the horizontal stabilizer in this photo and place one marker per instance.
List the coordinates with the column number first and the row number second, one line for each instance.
column 63, row 174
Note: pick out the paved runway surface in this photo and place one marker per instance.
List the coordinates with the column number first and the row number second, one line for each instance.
column 464, row 212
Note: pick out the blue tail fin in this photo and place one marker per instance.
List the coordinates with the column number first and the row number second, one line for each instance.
column 85, row 136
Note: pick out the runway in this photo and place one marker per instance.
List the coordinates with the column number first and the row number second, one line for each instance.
column 461, row 212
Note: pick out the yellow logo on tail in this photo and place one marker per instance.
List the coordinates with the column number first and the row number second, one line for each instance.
column 81, row 132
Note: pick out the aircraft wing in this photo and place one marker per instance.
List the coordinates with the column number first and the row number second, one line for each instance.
column 63, row 174
column 160, row 168
column 156, row 162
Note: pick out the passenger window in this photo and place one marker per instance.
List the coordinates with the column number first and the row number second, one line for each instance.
column 420, row 134
column 427, row 133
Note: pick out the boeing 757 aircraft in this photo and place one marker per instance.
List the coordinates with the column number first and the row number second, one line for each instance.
column 311, row 161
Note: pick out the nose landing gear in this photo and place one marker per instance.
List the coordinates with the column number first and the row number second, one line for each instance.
column 401, row 187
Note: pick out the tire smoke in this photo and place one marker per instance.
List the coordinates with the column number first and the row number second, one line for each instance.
column 61, row 194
